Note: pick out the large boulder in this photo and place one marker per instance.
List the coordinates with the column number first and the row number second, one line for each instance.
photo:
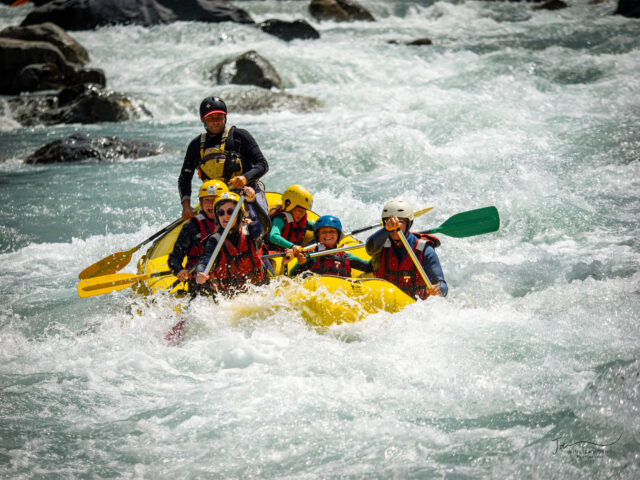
column 207, row 11
column 628, row 8
column 17, row 54
column 79, row 104
column 79, row 147
column 50, row 33
column 247, row 69
column 551, row 5
column 339, row 11
column 49, row 76
column 289, row 30
column 89, row 14
column 37, row 3
column 259, row 100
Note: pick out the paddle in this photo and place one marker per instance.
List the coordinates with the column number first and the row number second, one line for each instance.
column 354, row 232
column 318, row 254
column 414, row 258
column 175, row 334
column 91, row 287
column 470, row 223
column 119, row 260
column 417, row 214
column 223, row 237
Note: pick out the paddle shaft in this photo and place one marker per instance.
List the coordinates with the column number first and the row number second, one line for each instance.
column 223, row 237
column 318, row 254
column 414, row 258
column 109, row 283
column 119, row 260
column 370, row 227
column 165, row 230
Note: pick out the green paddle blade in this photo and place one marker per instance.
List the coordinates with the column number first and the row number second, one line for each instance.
column 468, row 224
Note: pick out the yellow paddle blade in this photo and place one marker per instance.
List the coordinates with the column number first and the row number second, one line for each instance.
column 91, row 287
column 421, row 212
column 108, row 265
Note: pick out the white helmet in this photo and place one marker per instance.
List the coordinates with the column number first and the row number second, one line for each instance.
column 398, row 208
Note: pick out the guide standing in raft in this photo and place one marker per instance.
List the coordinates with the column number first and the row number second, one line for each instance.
column 229, row 154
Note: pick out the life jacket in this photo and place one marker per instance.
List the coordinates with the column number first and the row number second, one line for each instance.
column 333, row 264
column 219, row 162
column 292, row 231
column 404, row 274
column 207, row 228
column 237, row 264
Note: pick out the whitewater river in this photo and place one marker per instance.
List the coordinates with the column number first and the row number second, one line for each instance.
column 526, row 370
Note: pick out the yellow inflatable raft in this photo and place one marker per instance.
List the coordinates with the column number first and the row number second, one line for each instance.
column 322, row 299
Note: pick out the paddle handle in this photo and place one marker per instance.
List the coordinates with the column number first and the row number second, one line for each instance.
column 414, row 258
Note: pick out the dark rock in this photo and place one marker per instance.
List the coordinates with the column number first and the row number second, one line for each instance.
column 551, row 5
column 48, row 76
column 259, row 100
column 17, row 54
column 246, row 69
column 420, row 41
column 50, row 33
column 78, row 104
column 339, row 10
column 628, row 8
column 89, row 14
column 38, row 76
column 289, row 30
column 207, row 11
column 80, row 147
column 95, row 76
column 34, row 2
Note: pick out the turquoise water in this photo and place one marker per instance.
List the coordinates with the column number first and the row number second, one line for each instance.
column 535, row 348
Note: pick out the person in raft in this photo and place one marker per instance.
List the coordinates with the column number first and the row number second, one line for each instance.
column 194, row 234
column 289, row 222
column 238, row 262
column 327, row 231
column 391, row 260
column 228, row 154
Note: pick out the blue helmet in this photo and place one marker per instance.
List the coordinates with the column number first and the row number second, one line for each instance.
column 328, row 221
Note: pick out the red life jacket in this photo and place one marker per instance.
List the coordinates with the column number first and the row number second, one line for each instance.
column 333, row 264
column 292, row 231
column 207, row 228
column 237, row 264
column 404, row 274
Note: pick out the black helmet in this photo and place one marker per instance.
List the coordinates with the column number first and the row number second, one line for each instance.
column 212, row 105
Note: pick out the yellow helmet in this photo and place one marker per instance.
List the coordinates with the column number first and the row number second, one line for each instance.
column 212, row 188
column 228, row 197
column 298, row 196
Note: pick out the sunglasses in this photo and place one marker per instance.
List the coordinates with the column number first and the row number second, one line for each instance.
column 229, row 211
